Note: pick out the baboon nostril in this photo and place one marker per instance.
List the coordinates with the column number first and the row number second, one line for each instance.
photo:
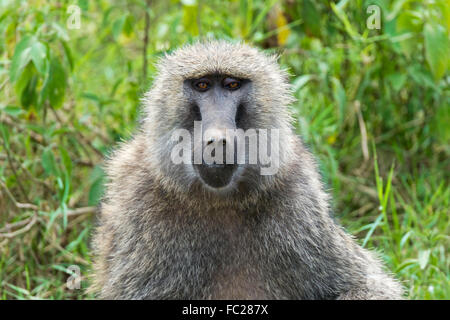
column 196, row 112
column 240, row 113
column 212, row 140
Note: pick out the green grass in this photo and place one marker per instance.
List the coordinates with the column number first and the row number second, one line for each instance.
column 372, row 105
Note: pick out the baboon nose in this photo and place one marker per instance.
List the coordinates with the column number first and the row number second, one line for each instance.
column 215, row 170
column 219, row 141
column 215, row 143
column 217, row 136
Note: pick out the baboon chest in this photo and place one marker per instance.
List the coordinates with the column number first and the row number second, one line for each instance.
column 212, row 259
column 225, row 257
column 239, row 285
column 233, row 265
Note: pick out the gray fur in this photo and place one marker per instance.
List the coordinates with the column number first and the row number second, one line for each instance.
column 163, row 235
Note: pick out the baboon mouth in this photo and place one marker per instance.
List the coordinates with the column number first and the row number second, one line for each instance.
column 216, row 175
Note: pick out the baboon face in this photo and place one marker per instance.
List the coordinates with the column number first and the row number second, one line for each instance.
column 219, row 87
column 221, row 103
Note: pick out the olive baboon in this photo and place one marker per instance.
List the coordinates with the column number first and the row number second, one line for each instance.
column 212, row 230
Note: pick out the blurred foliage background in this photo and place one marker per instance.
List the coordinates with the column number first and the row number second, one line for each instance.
column 372, row 104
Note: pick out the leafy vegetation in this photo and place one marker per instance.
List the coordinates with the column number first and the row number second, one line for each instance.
column 372, row 104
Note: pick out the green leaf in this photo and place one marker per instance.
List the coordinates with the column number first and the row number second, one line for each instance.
column 397, row 80
column 301, row 81
column 28, row 96
column 117, row 27
column 21, row 57
column 66, row 160
column 408, row 23
column 63, row 204
column 128, row 25
column 421, row 76
column 49, row 163
column 262, row 14
column 83, row 4
column 373, row 226
column 54, row 86
column 5, row 135
column 39, row 57
column 340, row 97
column 96, row 190
column 23, row 80
column 61, row 31
column 12, row 110
column 75, row 243
column 311, row 16
column 424, row 257
column 441, row 120
column 405, row 238
column 68, row 54
column 340, row 13
column 19, row 290
column 437, row 49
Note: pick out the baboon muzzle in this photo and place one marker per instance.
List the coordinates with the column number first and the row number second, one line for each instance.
column 217, row 110
column 219, row 158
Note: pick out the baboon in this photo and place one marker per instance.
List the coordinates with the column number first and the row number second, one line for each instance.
column 220, row 230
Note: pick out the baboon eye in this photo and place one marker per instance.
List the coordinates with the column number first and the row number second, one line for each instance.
column 231, row 84
column 202, row 85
